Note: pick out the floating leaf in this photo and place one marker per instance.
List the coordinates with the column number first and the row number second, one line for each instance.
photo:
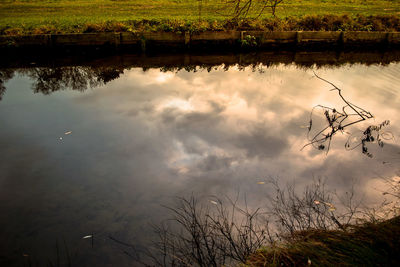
column 260, row 182
column 69, row 132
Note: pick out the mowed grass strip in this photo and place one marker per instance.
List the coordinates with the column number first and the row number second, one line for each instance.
column 74, row 15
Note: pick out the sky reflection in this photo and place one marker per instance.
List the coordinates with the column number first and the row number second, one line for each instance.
column 146, row 137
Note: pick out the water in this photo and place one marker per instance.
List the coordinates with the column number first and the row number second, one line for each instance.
column 102, row 161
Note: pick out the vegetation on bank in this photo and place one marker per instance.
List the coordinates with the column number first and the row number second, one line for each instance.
column 369, row 244
column 293, row 229
column 307, row 23
column 67, row 16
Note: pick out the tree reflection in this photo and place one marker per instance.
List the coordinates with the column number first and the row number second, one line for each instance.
column 48, row 80
column 54, row 74
column 5, row 75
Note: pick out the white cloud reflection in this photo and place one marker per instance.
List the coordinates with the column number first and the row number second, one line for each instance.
column 234, row 120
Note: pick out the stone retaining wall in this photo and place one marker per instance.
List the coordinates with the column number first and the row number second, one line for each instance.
column 227, row 39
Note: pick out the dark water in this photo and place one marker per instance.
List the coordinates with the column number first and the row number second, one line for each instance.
column 101, row 161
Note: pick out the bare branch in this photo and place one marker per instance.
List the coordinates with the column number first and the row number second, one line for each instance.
column 337, row 121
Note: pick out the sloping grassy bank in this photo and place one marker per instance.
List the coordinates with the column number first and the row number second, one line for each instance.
column 75, row 16
column 387, row 23
column 370, row 244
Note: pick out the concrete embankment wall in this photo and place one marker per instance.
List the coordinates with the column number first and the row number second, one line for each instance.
column 206, row 60
column 140, row 42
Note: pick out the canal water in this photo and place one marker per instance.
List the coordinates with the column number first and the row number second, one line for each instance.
column 99, row 150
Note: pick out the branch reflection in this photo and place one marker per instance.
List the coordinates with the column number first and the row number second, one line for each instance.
column 5, row 75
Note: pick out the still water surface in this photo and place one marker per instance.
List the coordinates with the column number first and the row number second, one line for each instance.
column 102, row 161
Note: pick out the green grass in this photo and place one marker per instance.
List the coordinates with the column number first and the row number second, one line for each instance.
column 370, row 244
column 37, row 16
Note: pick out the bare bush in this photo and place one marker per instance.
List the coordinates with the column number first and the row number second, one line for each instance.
column 311, row 209
column 208, row 235
column 243, row 8
column 390, row 205
column 219, row 233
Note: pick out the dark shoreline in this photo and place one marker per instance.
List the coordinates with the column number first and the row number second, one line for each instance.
column 201, row 41
column 99, row 58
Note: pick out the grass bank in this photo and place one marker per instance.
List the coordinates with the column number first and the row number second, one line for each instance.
column 75, row 16
column 370, row 244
